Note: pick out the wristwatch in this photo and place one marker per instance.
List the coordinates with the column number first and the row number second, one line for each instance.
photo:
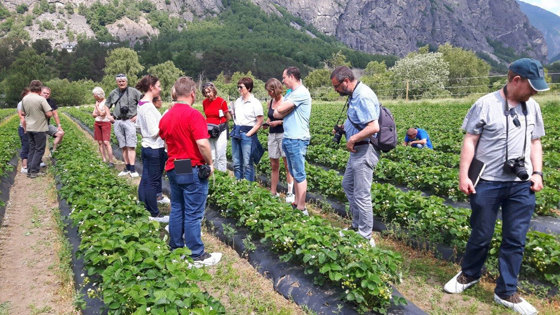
column 538, row 173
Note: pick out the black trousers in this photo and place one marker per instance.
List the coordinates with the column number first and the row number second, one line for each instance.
column 37, row 144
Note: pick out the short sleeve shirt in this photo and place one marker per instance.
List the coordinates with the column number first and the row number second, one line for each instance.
column 35, row 106
column 296, row 123
column 363, row 108
column 19, row 107
column 130, row 98
column 215, row 110
column 421, row 135
column 245, row 113
column 180, row 127
column 54, row 107
column 487, row 119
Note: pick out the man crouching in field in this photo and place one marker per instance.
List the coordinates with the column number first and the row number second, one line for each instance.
column 503, row 132
column 189, row 164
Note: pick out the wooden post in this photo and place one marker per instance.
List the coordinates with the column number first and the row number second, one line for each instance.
column 407, row 90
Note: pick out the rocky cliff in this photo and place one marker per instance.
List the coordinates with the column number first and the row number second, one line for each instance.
column 546, row 22
column 400, row 26
column 376, row 26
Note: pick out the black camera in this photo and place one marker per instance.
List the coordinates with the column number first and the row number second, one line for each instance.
column 338, row 132
column 517, row 167
column 204, row 171
column 124, row 111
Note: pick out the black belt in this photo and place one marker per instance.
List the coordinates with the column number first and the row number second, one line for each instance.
column 361, row 143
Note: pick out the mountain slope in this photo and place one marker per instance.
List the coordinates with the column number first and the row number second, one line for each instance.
column 373, row 26
column 546, row 22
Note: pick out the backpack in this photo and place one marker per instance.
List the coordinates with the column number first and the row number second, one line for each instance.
column 386, row 139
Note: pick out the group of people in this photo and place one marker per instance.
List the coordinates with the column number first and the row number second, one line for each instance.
column 35, row 111
column 507, row 123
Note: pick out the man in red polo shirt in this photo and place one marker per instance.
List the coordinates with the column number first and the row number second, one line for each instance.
column 189, row 156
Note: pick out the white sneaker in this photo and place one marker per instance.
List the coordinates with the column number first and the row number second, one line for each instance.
column 42, row 164
column 207, row 259
column 163, row 219
column 304, row 211
column 372, row 242
column 164, row 200
column 124, row 173
column 521, row 307
column 454, row 286
column 167, row 228
column 24, row 170
column 134, row 174
column 290, row 198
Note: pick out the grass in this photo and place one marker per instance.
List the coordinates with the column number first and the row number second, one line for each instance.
column 5, row 308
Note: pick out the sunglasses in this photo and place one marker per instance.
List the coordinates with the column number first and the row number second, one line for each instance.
column 240, row 87
column 515, row 119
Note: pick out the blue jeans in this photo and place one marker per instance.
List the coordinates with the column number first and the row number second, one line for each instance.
column 24, row 143
column 518, row 203
column 296, row 150
column 187, row 210
column 241, row 154
column 154, row 162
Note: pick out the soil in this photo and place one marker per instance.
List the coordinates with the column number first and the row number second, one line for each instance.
column 30, row 280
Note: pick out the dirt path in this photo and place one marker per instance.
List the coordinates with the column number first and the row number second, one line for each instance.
column 238, row 286
column 32, row 278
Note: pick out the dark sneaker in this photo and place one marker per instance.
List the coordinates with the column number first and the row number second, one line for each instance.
column 516, row 303
column 459, row 283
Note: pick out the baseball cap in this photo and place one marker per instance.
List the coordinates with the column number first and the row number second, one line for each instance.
column 532, row 70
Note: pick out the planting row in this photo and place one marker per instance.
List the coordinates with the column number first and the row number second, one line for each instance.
column 9, row 142
column 439, row 180
column 122, row 250
column 417, row 218
column 346, row 260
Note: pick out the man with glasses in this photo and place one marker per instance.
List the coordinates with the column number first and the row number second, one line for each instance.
column 360, row 125
column 125, row 99
column 503, row 132
column 295, row 111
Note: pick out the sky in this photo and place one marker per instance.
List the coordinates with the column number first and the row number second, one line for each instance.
column 550, row 5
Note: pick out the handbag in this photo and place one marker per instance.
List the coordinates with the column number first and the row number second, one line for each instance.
column 214, row 130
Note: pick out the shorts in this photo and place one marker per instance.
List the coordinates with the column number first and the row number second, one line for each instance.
column 295, row 150
column 102, row 131
column 275, row 145
column 125, row 131
column 52, row 130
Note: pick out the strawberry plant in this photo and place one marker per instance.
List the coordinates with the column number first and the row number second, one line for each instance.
column 362, row 271
column 137, row 271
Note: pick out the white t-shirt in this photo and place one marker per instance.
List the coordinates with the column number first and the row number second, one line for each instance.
column 147, row 120
column 245, row 112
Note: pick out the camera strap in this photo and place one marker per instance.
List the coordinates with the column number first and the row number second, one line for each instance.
column 506, row 113
column 347, row 105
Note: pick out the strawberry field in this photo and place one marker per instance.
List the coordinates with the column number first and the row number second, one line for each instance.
column 415, row 195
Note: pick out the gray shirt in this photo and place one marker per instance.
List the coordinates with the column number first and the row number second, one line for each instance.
column 130, row 99
column 487, row 119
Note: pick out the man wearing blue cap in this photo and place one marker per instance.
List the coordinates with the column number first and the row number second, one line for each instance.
column 503, row 134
